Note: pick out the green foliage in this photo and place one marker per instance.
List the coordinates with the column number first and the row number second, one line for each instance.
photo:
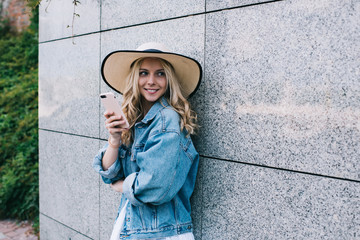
column 19, row 190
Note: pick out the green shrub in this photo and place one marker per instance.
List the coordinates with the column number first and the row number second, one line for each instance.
column 19, row 191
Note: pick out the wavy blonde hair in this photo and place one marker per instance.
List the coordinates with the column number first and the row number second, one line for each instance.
column 132, row 100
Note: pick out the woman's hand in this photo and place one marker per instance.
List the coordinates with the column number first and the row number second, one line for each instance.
column 112, row 124
column 117, row 186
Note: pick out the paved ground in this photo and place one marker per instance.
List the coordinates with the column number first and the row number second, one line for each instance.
column 12, row 230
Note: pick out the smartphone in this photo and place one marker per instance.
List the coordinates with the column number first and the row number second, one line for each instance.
column 112, row 105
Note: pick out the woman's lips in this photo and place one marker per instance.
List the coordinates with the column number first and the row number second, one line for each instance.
column 151, row 91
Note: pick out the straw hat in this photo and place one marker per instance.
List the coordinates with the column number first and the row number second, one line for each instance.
column 116, row 67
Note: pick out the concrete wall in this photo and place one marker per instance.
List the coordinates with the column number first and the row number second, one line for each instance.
column 279, row 107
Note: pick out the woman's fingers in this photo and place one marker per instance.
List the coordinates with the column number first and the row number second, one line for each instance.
column 114, row 124
column 111, row 117
column 115, row 131
column 108, row 114
column 117, row 186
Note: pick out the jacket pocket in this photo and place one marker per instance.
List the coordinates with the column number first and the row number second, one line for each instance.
column 189, row 149
column 136, row 149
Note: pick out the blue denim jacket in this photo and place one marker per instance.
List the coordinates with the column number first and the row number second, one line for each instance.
column 160, row 169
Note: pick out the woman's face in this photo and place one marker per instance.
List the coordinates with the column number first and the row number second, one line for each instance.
column 152, row 81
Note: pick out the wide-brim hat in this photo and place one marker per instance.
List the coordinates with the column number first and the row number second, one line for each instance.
column 116, row 67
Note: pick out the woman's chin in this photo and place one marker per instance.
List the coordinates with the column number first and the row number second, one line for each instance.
column 152, row 98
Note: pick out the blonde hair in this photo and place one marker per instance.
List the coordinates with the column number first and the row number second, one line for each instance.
column 132, row 100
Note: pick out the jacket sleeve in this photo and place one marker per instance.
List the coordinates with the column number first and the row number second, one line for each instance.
column 112, row 174
column 162, row 171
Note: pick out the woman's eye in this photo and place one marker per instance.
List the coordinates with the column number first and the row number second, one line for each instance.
column 161, row 74
column 143, row 73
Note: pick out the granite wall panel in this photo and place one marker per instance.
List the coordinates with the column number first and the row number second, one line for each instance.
column 69, row 187
column 282, row 86
column 280, row 92
column 197, row 203
column 183, row 36
column 60, row 19
column 69, row 85
column 131, row 12
column 51, row 229
column 109, row 205
column 213, row 5
column 247, row 202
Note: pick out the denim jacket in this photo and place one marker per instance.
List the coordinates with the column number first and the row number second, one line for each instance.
column 159, row 169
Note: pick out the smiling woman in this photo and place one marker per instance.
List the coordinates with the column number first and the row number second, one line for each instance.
column 152, row 82
column 154, row 162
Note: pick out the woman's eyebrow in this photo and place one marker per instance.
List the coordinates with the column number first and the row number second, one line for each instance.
column 144, row 69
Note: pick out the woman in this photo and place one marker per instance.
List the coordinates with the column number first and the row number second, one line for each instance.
column 153, row 163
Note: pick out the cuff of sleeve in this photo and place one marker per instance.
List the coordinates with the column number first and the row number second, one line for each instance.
column 111, row 172
column 128, row 190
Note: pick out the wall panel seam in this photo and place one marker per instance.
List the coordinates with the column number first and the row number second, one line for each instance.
column 228, row 160
column 99, row 181
column 204, row 77
column 65, row 225
column 281, row 169
column 162, row 20
column 72, row 134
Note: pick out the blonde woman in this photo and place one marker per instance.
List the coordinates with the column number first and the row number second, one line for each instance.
column 154, row 162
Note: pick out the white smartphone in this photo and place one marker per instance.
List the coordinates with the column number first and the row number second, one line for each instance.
column 112, row 105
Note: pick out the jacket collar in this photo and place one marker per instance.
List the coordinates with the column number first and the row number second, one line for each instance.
column 160, row 104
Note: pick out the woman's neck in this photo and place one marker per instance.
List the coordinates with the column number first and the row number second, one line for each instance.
column 146, row 106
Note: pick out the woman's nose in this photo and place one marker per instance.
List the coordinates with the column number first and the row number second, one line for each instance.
column 151, row 79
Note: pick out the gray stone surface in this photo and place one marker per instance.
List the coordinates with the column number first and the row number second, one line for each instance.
column 212, row 5
column 69, row 186
column 109, row 205
column 184, row 36
column 196, row 203
column 247, row 202
column 110, row 201
column 58, row 21
column 114, row 14
column 69, row 85
column 51, row 229
column 282, row 86
column 281, row 89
